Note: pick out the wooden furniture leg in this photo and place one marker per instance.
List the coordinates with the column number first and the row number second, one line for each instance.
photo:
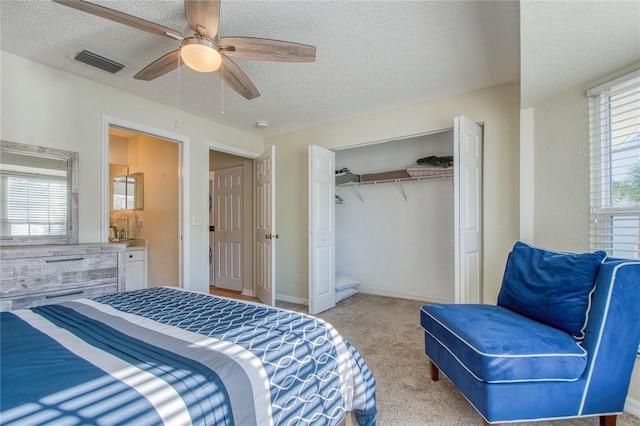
column 608, row 420
column 434, row 373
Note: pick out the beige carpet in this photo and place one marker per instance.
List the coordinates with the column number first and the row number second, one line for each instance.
column 386, row 331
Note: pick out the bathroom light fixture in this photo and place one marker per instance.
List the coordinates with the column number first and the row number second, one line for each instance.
column 200, row 54
column 262, row 124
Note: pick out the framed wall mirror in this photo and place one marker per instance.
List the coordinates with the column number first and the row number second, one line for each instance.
column 39, row 196
column 127, row 189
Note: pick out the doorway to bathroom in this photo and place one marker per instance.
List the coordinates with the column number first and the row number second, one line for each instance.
column 154, row 221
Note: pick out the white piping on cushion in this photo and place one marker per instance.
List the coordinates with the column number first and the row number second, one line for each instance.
column 505, row 355
column 453, row 355
column 529, row 419
column 495, row 381
column 586, row 316
column 599, row 341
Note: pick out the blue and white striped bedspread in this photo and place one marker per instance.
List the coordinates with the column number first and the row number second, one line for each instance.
column 169, row 356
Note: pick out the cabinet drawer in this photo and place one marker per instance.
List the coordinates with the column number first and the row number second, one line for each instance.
column 48, row 298
column 134, row 256
column 57, row 273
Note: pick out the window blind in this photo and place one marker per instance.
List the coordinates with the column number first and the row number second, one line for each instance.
column 33, row 204
column 614, row 117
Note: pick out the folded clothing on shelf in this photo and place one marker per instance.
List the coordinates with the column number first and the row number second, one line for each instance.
column 434, row 160
column 346, row 177
column 417, row 170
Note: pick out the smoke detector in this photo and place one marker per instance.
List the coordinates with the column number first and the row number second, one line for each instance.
column 262, row 124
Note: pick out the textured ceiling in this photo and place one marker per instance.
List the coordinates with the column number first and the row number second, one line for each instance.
column 371, row 55
column 570, row 44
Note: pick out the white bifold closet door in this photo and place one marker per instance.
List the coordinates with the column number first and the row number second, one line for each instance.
column 467, row 196
column 322, row 234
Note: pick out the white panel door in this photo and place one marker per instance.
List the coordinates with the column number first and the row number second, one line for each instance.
column 227, row 236
column 322, row 235
column 467, row 178
column 212, row 223
column 265, row 227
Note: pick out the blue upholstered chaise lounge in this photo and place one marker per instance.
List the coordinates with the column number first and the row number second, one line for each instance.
column 561, row 342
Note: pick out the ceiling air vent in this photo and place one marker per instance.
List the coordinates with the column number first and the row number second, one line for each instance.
column 98, row 61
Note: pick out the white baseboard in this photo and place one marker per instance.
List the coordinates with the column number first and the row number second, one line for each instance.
column 247, row 292
column 632, row 406
column 367, row 290
column 386, row 293
column 291, row 299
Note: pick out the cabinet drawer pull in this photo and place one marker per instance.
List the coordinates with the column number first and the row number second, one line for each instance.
column 75, row 259
column 70, row 293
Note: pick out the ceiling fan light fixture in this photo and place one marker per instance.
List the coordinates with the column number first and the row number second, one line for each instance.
column 199, row 54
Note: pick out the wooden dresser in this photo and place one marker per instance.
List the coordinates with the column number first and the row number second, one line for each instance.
column 40, row 275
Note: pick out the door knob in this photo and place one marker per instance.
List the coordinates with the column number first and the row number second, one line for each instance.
column 270, row 236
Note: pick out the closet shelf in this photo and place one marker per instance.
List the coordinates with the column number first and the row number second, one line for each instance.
column 409, row 179
column 398, row 181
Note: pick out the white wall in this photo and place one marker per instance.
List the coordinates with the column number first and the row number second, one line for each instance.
column 561, row 134
column 395, row 247
column 44, row 106
column 499, row 109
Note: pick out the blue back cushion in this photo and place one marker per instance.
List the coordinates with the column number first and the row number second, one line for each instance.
column 550, row 287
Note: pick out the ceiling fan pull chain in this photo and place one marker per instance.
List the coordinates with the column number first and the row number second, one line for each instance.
column 222, row 87
column 178, row 123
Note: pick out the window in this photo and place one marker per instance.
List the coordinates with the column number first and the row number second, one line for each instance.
column 615, row 166
column 33, row 203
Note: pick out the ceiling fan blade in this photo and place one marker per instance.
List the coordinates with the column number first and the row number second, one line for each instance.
column 121, row 18
column 160, row 67
column 203, row 13
column 261, row 49
column 237, row 79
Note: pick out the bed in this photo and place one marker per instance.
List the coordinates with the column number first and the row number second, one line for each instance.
column 170, row 356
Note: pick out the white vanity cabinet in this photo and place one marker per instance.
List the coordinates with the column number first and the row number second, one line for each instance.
column 136, row 268
column 41, row 275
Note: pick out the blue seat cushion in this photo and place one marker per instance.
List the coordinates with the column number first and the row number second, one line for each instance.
column 497, row 345
column 550, row 287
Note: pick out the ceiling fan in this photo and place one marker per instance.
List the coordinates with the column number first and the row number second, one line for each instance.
column 205, row 51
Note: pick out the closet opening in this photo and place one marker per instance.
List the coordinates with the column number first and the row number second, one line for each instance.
column 399, row 218
column 395, row 219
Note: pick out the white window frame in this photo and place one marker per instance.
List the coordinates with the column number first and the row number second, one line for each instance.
column 602, row 210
